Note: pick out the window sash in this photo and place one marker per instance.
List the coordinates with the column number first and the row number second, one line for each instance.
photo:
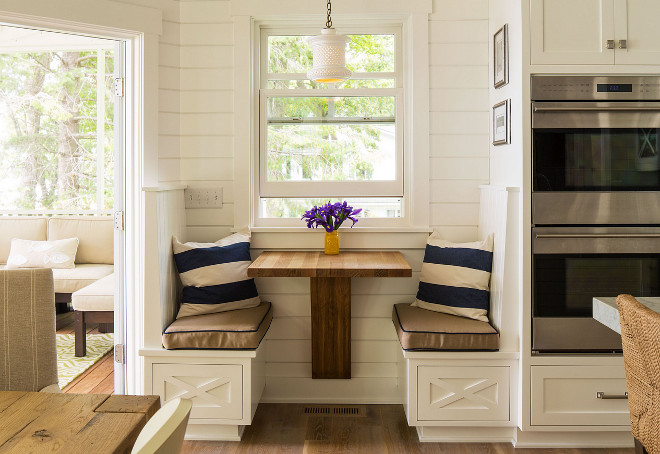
column 390, row 188
column 265, row 32
column 329, row 189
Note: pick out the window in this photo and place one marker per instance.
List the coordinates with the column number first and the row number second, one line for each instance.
column 56, row 140
column 320, row 142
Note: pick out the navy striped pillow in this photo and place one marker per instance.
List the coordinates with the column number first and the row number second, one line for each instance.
column 214, row 275
column 455, row 277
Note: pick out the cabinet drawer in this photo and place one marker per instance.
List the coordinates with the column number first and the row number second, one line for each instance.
column 566, row 396
column 463, row 393
column 216, row 390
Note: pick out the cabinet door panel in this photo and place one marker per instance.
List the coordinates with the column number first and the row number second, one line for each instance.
column 567, row 396
column 571, row 32
column 636, row 21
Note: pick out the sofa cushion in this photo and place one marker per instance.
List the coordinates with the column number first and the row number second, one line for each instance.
column 455, row 277
column 242, row 329
column 95, row 234
column 24, row 227
column 42, row 254
column 84, row 274
column 99, row 296
column 214, row 275
column 422, row 330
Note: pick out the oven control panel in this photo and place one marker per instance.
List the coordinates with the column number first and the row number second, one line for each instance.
column 588, row 88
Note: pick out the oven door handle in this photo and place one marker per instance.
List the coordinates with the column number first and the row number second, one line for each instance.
column 598, row 109
column 596, row 235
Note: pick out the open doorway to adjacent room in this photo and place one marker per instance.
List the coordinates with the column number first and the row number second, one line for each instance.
column 61, row 160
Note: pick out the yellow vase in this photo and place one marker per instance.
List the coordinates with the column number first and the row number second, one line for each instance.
column 331, row 243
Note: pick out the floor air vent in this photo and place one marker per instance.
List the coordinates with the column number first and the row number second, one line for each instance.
column 317, row 411
column 331, row 410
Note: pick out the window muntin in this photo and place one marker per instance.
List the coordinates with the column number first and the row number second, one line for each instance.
column 330, row 141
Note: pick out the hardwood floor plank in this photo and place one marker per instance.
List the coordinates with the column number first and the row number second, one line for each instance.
column 100, row 376
column 285, row 429
column 106, row 386
column 93, row 376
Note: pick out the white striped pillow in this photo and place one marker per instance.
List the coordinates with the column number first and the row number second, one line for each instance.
column 214, row 275
column 455, row 277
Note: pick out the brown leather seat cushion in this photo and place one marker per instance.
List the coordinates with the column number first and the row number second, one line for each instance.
column 423, row 330
column 241, row 329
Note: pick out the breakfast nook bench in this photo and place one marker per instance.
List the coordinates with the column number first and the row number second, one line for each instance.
column 217, row 360
column 454, row 384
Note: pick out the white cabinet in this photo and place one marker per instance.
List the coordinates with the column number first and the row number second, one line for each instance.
column 571, row 31
column 216, row 390
column 568, row 396
column 592, row 32
column 464, row 393
column 636, row 22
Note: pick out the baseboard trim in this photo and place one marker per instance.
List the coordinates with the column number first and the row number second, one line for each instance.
column 329, row 400
column 213, row 432
column 605, row 439
column 466, row 434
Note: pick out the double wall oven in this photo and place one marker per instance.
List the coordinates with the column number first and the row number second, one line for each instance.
column 595, row 204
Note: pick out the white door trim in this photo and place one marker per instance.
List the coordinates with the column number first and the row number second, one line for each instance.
column 139, row 27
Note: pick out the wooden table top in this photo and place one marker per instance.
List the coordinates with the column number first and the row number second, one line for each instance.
column 318, row 264
column 72, row 423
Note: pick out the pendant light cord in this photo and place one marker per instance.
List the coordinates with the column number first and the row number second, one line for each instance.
column 328, row 23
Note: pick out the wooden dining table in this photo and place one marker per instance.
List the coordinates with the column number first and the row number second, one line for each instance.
column 330, row 294
column 32, row 422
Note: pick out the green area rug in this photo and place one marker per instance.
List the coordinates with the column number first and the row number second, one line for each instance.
column 68, row 366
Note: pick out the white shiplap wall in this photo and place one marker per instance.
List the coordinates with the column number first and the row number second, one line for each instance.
column 458, row 31
column 168, row 89
column 206, row 94
column 458, row 46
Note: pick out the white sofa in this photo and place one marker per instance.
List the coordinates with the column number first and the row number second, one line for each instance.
column 94, row 257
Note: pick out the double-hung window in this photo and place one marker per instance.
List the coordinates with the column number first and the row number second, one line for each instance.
column 320, row 142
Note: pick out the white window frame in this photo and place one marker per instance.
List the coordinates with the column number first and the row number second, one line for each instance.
column 334, row 190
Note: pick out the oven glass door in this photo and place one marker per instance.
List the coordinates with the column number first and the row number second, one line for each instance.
column 571, row 266
column 591, row 159
column 564, row 285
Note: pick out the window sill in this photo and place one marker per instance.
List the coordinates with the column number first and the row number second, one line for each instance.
column 395, row 238
column 342, row 231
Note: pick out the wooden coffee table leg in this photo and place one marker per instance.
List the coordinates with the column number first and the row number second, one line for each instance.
column 331, row 327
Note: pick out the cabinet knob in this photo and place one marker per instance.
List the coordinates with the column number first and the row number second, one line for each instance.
column 623, row 44
column 609, row 44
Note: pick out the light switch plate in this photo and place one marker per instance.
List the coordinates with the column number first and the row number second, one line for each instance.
column 203, row 197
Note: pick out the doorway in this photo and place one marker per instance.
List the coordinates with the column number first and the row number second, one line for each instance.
column 62, row 147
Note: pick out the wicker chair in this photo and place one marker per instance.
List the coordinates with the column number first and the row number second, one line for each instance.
column 640, row 335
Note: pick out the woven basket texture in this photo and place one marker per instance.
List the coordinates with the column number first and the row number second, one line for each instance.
column 640, row 336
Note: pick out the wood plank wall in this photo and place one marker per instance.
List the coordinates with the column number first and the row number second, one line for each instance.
column 197, row 149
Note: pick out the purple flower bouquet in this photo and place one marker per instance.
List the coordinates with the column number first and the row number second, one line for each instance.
column 330, row 216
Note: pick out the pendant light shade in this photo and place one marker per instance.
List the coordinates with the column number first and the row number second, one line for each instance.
column 329, row 55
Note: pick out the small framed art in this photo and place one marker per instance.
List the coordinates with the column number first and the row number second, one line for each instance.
column 502, row 122
column 501, row 57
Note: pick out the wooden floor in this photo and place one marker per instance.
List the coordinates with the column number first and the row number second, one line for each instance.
column 284, row 428
column 98, row 379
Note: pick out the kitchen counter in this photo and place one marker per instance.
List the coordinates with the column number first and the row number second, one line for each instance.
column 606, row 311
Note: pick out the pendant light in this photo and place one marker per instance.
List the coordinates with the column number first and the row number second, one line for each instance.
column 329, row 51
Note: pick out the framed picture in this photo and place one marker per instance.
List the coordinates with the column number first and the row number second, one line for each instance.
column 501, row 57
column 502, row 122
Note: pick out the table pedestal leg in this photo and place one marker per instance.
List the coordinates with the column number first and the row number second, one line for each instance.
column 331, row 327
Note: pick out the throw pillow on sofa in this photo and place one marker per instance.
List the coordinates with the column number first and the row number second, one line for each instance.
column 214, row 275
column 42, row 254
column 455, row 277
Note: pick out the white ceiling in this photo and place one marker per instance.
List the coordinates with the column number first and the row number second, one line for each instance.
column 16, row 39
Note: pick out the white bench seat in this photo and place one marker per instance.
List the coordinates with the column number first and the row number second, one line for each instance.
column 93, row 304
column 97, row 296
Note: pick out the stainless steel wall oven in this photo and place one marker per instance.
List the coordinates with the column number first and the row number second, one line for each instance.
column 595, row 203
